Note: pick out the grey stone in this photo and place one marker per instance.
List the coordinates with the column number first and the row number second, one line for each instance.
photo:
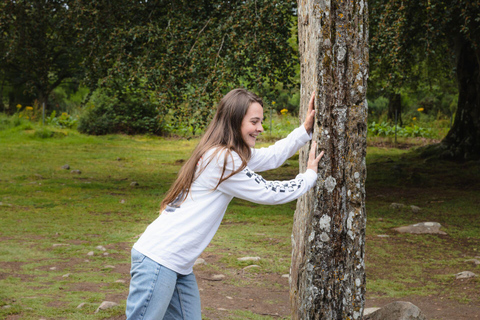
column 465, row 275
column 106, row 305
column 120, row 281
column 91, row 253
column 383, row 236
column 60, row 244
column 249, row 259
column 218, row 277
column 102, row 248
column 422, row 228
column 53, row 268
column 475, row 261
column 109, row 266
column 221, row 309
column 397, row 206
column 76, row 171
column 415, row 209
column 286, row 276
column 66, row 275
column 66, row 167
column 199, row 261
column 7, row 306
column 134, row 184
column 81, row 305
column 398, row 310
column 251, row 267
column 5, row 204
column 106, row 253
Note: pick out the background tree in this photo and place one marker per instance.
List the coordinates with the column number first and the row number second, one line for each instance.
column 187, row 52
column 406, row 33
column 37, row 47
column 328, row 269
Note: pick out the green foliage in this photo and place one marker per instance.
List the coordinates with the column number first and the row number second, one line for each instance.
column 63, row 121
column 190, row 55
column 69, row 98
column 38, row 47
column 377, row 106
column 384, row 129
column 127, row 111
column 43, row 133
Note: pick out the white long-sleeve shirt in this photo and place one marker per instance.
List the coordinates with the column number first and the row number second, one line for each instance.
column 181, row 233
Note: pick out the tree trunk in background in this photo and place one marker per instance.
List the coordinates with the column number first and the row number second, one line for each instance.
column 327, row 276
column 395, row 104
column 463, row 139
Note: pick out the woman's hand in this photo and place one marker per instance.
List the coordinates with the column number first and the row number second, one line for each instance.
column 308, row 124
column 312, row 160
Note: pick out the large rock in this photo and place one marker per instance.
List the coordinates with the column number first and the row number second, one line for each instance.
column 398, row 310
column 421, row 228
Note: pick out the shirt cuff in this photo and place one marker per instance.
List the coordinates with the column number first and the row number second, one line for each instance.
column 310, row 177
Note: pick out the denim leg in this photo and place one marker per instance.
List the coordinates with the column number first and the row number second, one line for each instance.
column 151, row 288
column 185, row 303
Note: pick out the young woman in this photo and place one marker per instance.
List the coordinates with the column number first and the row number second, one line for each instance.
column 221, row 167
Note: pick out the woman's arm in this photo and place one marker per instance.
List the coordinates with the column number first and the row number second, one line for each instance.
column 250, row 186
column 274, row 156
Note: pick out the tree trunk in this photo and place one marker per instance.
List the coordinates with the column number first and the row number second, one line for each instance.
column 327, row 275
column 463, row 139
column 395, row 105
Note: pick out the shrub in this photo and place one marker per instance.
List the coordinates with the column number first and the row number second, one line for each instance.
column 63, row 121
column 384, row 129
column 43, row 133
column 125, row 113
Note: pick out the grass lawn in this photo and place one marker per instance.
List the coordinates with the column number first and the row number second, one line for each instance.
column 54, row 220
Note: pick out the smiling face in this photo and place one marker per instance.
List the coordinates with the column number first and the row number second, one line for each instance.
column 252, row 124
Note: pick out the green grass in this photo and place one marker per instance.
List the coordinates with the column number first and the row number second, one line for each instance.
column 44, row 205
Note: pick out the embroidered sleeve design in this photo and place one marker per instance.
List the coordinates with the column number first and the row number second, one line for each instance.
column 275, row 186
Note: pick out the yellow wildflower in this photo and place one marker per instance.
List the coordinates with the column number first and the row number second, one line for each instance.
column 273, row 102
column 29, row 108
column 19, row 106
column 64, row 114
column 420, row 109
column 414, row 118
column 284, row 111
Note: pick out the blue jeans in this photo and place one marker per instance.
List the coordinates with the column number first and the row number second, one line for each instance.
column 157, row 292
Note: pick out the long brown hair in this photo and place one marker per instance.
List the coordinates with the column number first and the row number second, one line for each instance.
column 223, row 133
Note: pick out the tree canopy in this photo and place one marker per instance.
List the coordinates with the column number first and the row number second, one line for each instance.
column 188, row 52
column 445, row 36
column 37, row 46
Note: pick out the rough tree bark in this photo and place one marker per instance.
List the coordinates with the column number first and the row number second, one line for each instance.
column 327, row 276
column 395, row 104
column 463, row 139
